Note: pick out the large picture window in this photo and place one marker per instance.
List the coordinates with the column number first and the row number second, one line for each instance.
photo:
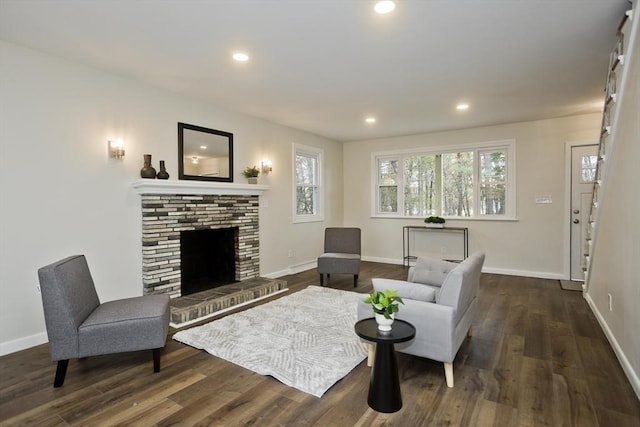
column 308, row 191
column 471, row 181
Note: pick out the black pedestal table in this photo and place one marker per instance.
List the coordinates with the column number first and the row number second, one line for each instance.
column 384, row 387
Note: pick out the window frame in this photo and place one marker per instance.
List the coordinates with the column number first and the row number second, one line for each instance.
column 509, row 146
column 318, row 153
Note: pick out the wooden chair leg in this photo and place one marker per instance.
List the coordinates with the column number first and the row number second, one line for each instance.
column 61, row 372
column 156, row 359
column 372, row 354
column 321, row 279
column 448, row 374
column 355, row 280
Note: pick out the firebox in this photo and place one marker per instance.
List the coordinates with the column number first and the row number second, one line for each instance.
column 208, row 258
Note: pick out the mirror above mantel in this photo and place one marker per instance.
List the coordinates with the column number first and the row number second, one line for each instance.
column 204, row 154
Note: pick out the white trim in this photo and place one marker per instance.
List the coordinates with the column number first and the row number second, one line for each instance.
column 524, row 273
column 158, row 186
column 632, row 376
column 490, row 270
column 23, row 343
column 450, row 218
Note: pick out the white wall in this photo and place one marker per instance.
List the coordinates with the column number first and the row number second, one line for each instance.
column 617, row 246
column 534, row 245
column 61, row 195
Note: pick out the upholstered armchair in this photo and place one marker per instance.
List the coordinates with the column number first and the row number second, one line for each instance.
column 341, row 253
column 79, row 326
column 440, row 300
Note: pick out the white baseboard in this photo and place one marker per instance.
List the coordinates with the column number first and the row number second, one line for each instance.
column 524, row 273
column 622, row 358
column 292, row 269
column 382, row 260
column 23, row 343
column 485, row 269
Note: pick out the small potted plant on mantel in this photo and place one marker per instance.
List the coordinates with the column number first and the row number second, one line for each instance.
column 385, row 305
column 434, row 222
column 251, row 173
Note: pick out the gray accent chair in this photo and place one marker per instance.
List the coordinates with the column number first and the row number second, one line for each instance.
column 79, row 326
column 440, row 300
column 341, row 253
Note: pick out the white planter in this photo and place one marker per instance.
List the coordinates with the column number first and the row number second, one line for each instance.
column 433, row 225
column 384, row 324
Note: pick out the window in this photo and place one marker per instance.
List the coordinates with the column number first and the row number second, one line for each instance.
column 472, row 181
column 308, row 192
column 588, row 168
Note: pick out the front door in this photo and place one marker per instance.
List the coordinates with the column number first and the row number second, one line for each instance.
column 583, row 173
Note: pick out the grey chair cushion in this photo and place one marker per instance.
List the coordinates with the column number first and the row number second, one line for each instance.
column 130, row 324
column 432, row 271
column 406, row 290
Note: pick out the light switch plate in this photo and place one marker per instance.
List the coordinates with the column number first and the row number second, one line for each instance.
column 546, row 198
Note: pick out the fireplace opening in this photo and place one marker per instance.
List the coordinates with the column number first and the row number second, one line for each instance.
column 208, row 259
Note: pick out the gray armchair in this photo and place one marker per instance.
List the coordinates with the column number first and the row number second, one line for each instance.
column 440, row 300
column 341, row 253
column 79, row 326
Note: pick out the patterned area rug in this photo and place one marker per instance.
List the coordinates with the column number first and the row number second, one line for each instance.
column 305, row 340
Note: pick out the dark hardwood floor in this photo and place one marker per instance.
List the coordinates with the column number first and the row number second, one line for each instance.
column 537, row 357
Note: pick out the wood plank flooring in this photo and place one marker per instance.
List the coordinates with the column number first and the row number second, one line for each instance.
column 537, row 357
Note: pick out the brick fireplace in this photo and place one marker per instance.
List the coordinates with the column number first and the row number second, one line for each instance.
column 170, row 207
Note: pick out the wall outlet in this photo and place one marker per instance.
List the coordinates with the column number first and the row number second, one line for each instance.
column 290, row 253
column 610, row 302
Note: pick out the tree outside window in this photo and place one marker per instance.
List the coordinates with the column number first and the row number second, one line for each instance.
column 307, row 167
column 467, row 183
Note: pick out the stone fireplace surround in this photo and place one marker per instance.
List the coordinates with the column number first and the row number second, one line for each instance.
column 169, row 207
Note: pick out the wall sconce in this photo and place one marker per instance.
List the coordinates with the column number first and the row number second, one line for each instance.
column 116, row 149
column 266, row 166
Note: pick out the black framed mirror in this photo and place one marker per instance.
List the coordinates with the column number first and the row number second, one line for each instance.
column 204, row 154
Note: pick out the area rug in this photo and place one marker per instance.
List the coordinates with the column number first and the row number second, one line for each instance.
column 305, row 340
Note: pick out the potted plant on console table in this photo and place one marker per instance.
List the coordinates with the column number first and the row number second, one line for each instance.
column 385, row 305
column 251, row 173
column 434, row 222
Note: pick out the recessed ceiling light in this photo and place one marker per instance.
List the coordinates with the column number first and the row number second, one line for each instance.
column 241, row 57
column 203, row 147
column 370, row 120
column 462, row 107
column 384, row 6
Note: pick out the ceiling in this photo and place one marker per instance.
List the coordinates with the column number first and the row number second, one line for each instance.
column 324, row 65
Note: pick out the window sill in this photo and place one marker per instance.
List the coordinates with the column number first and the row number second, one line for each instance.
column 310, row 218
column 414, row 218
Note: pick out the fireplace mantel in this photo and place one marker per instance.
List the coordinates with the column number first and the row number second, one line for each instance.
column 155, row 186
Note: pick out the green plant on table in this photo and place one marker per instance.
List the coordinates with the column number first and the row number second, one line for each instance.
column 384, row 302
column 434, row 220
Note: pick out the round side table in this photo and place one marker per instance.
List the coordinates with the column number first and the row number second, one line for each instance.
column 384, row 387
